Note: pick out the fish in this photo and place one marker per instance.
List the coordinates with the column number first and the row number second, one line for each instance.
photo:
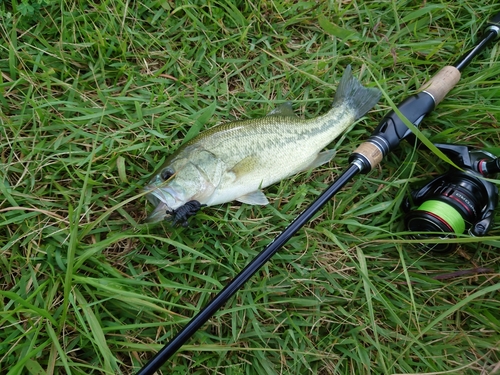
column 236, row 160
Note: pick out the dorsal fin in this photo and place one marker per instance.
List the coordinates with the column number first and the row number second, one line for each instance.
column 284, row 109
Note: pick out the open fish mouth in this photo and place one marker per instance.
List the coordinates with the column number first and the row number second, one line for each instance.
column 153, row 199
column 158, row 198
column 157, row 195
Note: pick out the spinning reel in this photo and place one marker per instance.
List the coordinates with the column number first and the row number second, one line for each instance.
column 456, row 202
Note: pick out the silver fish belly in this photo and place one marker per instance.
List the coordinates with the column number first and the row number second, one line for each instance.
column 234, row 161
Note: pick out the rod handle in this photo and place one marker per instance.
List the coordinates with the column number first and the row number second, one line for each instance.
column 442, row 83
column 367, row 156
column 391, row 131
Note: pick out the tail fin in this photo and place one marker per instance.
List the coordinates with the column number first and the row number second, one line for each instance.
column 353, row 94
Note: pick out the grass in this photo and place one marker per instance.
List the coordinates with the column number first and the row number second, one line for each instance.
column 95, row 95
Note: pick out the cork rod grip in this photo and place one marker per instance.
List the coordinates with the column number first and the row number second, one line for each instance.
column 439, row 85
column 371, row 153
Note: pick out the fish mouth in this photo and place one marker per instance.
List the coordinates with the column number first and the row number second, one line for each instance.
column 163, row 202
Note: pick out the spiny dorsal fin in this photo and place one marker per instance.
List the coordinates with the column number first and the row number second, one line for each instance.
column 284, row 109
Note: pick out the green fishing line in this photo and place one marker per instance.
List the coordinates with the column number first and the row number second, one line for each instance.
column 447, row 213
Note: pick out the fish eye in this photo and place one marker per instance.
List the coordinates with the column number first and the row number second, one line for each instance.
column 166, row 174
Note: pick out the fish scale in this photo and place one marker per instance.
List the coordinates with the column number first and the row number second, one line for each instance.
column 234, row 161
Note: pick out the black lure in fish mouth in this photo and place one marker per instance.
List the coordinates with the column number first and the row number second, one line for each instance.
column 181, row 214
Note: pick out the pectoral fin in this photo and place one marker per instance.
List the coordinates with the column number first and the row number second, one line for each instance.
column 245, row 166
column 256, row 197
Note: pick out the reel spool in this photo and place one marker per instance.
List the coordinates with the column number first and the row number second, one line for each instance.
column 458, row 202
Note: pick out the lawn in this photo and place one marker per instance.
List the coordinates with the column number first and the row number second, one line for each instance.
column 95, row 95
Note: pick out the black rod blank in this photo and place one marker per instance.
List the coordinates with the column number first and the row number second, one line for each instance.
column 230, row 289
column 492, row 32
column 467, row 58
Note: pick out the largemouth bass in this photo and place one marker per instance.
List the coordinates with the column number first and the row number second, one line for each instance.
column 234, row 161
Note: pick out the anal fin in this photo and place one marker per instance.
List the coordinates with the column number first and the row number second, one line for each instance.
column 256, row 197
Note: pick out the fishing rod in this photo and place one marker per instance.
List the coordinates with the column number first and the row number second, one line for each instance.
column 385, row 138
